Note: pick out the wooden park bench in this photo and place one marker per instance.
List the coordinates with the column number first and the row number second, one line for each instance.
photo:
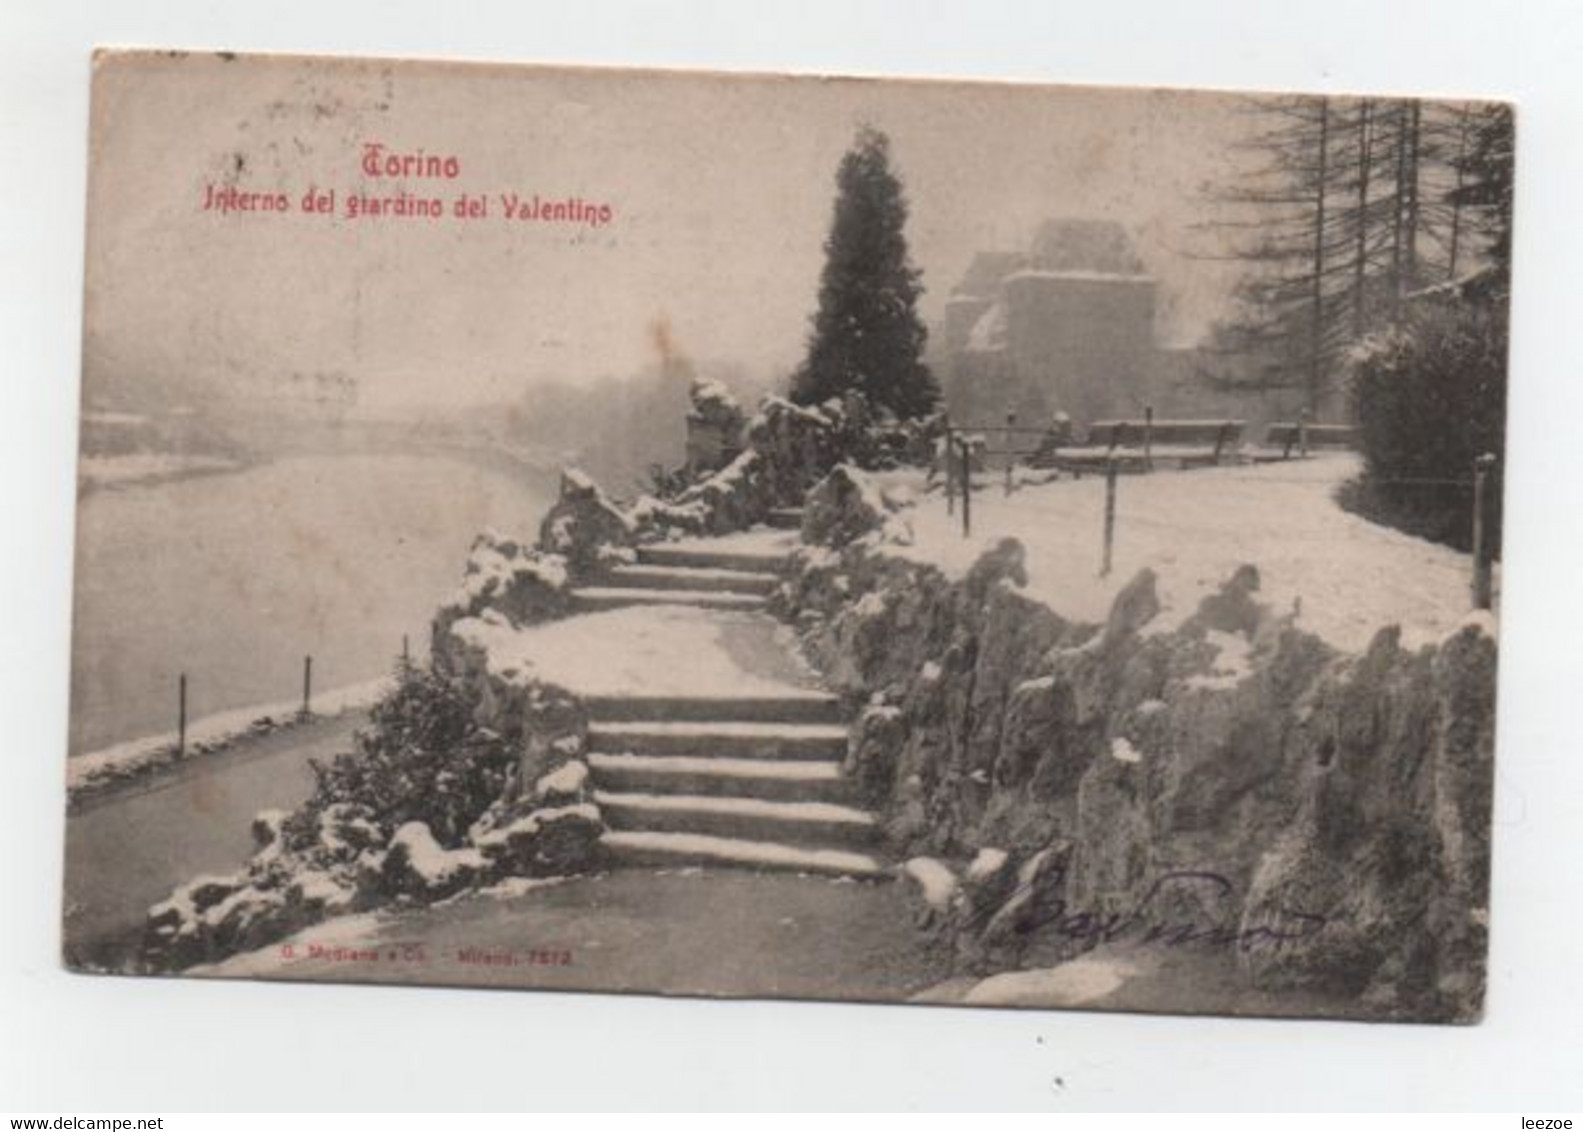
column 1141, row 445
column 1285, row 439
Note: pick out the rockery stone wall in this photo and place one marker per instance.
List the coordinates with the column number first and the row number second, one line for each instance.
column 1224, row 781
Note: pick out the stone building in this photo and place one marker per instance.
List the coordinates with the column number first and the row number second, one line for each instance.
column 1066, row 326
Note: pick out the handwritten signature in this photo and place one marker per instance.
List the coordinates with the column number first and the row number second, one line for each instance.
column 1144, row 925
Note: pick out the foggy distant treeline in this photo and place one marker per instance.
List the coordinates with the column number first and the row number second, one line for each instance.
column 618, row 429
column 615, row 428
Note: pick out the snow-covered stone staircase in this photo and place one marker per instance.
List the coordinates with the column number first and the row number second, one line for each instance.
column 752, row 781
column 681, row 574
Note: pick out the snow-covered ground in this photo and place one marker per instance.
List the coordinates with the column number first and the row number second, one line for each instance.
column 1075, row 983
column 1346, row 577
column 659, row 650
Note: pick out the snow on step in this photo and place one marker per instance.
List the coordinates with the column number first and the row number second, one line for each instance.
column 802, row 771
column 794, row 705
column 653, row 848
column 758, row 809
column 749, row 740
column 782, row 779
column 694, row 578
column 703, row 554
column 613, row 597
column 801, row 821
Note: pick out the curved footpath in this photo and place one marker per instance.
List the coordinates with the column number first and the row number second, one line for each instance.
column 127, row 849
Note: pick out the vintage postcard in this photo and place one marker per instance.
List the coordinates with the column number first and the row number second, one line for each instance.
column 734, row 535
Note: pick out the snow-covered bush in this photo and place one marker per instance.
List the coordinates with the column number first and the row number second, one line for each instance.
column 427, row 807
column 424, row 759
column 1430, row 398
column 874, row 439
column 550, row 841
column 419, row 867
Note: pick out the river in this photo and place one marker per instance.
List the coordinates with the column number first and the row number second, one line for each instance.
column 234, row 578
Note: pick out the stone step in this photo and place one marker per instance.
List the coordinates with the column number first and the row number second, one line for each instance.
column 694, row 578
column 796, row 780
column 694, row 557
column 590, row 598
column 720, row 739
column 792, row 823
column 671, row 849
column 785, row 518
column 791, row 707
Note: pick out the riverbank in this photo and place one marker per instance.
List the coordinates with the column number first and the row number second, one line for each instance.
column 234, row 579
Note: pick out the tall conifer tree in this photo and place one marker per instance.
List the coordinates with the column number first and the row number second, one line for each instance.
column 867, row 336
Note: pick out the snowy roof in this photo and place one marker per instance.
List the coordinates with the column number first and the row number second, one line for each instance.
column 1080, row 276
column 989, row 332
column 1098, row 251
column 984, row 273
column 1081, row 244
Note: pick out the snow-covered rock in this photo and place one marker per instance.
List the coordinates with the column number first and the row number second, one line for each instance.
column 517, row 584
column 417, row 865
column 213, row 916
column 266, row 828
column 1198, row 726
column 1037, row 896
column 933, row 881
column 843, row 506
column 563, row 785
column 987, row 864
column 1075, row 983
column 715, row 422
column 584, row 524
column 551, row 841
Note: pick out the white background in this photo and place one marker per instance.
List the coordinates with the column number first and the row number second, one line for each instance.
column 78, row 1044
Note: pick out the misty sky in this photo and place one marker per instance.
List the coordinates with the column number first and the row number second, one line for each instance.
column 721, row 187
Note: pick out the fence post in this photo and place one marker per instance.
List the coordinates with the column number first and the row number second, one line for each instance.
column 1302, row 433
column 307, row 686
column 1110, row 514
column 1148, row 438
column 967, row 490
column 1482, row 552
column 1011, row 424
column 406, row 654
column 950, row 469
column 181, row 715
